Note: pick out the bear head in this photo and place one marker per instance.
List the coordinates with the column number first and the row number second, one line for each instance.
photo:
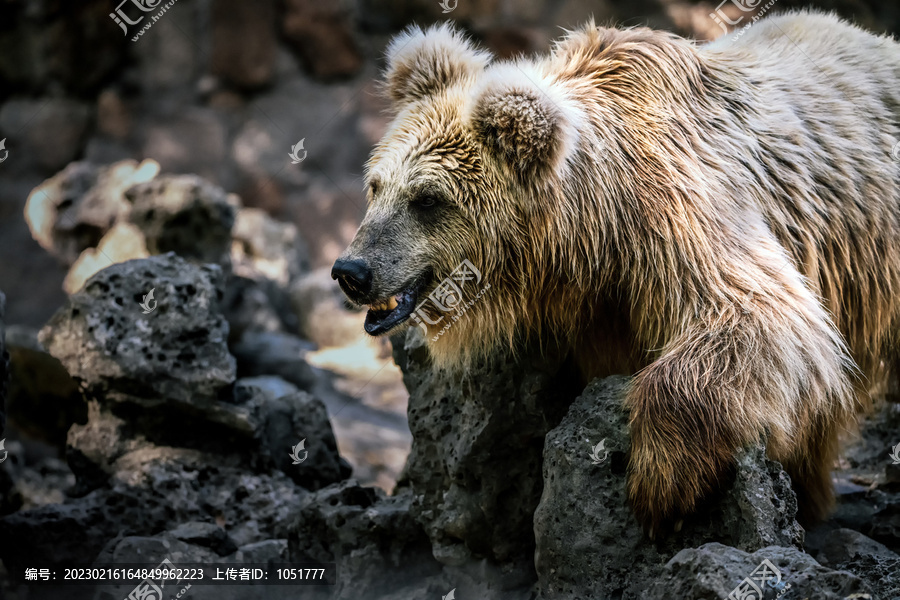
column 454, row 189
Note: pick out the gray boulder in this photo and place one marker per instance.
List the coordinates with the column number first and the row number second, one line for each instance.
column 284, row 420
column 257, row 428
column 94, row 447
column 881, row 574
column 589, row 544
column 265, row 247
column 176, row 352
column 475, row 464
column 208, row 535
column 849, row 550
column 74, row 209
column 379, row 549
column 274, row 353
column 715, row 571
column 839, row 546
column 184, row 214
column 256, row 306
column 27, row 484
column 267, row 256
column 170, row 437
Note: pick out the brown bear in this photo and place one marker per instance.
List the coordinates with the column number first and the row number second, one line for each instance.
column 720, row 220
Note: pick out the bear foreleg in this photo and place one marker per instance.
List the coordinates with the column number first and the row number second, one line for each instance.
column 719, row 387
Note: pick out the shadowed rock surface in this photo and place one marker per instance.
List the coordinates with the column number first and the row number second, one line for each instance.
column 184, row 214
column 379, row 549
column 475, row 464
column 282, row 419
column 154, row 488
column 196, row 542
column 274, row 353
column 849, row 550
column 43, row 399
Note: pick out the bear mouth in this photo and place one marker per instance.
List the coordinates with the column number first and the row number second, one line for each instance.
column 385, row 315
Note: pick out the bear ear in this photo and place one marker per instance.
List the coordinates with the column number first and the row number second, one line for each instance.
column 421, row 63
column 525, row 119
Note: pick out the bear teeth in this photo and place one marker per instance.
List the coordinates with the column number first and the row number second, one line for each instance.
column 389, row 304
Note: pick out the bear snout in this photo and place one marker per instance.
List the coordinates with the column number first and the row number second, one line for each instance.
column 354, row 277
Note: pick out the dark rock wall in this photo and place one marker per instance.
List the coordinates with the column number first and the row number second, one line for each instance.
column 4, row 365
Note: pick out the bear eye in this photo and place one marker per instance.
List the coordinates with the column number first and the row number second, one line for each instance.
column 426, row 200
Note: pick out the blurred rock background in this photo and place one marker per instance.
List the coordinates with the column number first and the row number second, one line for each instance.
column 225, row 88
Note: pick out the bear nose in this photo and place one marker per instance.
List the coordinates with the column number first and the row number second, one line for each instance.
column 354, row 277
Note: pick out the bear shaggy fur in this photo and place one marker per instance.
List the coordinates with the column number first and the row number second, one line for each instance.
column 721, row 220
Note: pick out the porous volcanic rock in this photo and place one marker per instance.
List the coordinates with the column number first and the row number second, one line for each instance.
column 478, row 441
column 172, row 347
